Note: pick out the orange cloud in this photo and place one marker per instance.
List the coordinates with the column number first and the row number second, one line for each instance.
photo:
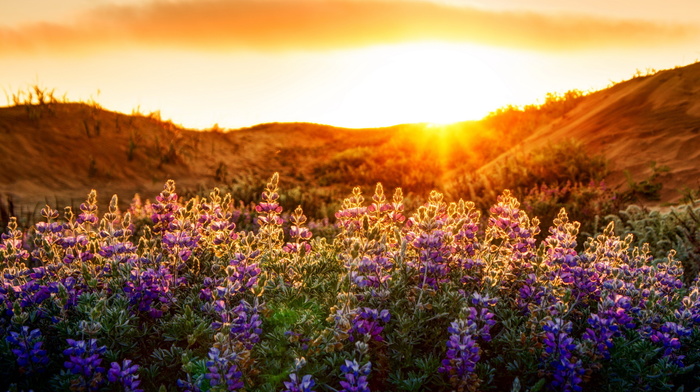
column 277, row 25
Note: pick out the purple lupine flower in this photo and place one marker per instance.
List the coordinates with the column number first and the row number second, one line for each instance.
column 669, row 335
column 179, row 237
column 222, row 371
column 530, row 292
column 510, row 234
column 267, row 207
column 372, row 271
column 84, row 359
column 242, row 274
column 215, row 216
column 509, row 224
column 296, row 385
column 352, row 212
column 151, row 290
column 125, row 374
column 601, row 331
column 88, row 210
column 383, row 212
column 433, row 254
column 561, row 242
column 245, row 325
column 269, row 204
column 299, row 234
column 467, row 242
column 565, row 263
column 567, row 370
column 463, row 353
column 355, row 376
column 188, row 385
column 481, row 315
column 11, row 243
column 366, row 324
column 269, row 221
column 165, row 207
column 69, row 289
column 118, row 250
column 33, row 293
column 689, row 310
column 608, row 323
column 27, row 346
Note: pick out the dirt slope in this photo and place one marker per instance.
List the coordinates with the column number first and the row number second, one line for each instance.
column 635, row 123
column 56, row 154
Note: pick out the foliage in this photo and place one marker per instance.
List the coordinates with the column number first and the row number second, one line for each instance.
column 649, row 188
column 562, row 175
column 677, row 230
column 436, row 299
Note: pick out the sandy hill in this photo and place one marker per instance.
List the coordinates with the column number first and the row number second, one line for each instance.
column 56, row 152
column 634, row 124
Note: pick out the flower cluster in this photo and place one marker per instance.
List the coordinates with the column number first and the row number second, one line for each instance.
column 467, row 241
column 350, row 217
column 28, row 348
column 515, row 232
column 383, row 211
column 180, row 239
column 269, row 220
column 366, row 325
column 11, row 244
column 612, row 318
column 246, row 325
column 84, row 360
column 669, row 335
column 126, row 374
column 163, row 210
column 372, row 271
column 241, row 275
column 433, row 241
column 222, row 371
column 560, row 353
column 463, row 351
column 151, row 290
column 355, row 376
column 299, row 234
column 305, row 384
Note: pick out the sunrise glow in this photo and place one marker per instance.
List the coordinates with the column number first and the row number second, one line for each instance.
column 347, row 63
column 424, row 82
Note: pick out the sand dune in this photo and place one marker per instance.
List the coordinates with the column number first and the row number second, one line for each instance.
column 647, row 119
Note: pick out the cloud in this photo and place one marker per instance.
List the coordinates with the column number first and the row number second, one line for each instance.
column 279, row 25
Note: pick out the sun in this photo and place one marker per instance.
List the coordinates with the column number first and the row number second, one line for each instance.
column 430, row 82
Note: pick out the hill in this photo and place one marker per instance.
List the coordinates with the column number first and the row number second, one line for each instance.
column 57, row 152
column 647, row 128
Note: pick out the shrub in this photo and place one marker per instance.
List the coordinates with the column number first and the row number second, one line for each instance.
column 677, row 230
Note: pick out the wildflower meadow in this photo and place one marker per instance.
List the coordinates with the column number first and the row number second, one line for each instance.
column 198, row 295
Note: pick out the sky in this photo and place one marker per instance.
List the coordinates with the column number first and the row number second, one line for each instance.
column 350, row 63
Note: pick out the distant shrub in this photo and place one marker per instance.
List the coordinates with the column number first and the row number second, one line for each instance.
column 649, row 188
column 677, row 230
column 563, row 175
column 36, row 100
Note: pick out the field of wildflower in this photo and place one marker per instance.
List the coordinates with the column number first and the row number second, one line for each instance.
column 201, row 295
